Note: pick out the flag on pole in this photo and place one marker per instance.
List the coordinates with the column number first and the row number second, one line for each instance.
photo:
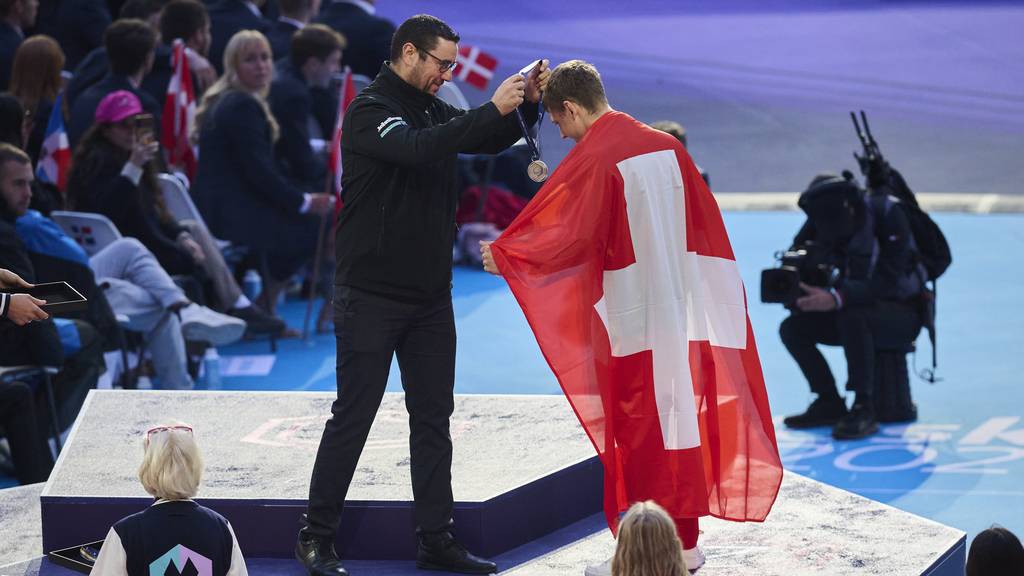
column 55, row 153
column 624, row 270
column 179, row 113
column 346, row 95
column 475, row 67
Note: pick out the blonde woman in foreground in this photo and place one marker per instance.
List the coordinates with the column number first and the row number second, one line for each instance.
column 175, row 529
column 648, row 544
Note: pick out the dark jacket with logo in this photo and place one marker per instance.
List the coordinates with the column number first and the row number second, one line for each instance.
column 399, row 148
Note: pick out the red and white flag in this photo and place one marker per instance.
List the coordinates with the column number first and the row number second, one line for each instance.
column 475, row 67
column 55, row 153
column 624, row 270
column 179, row 114
column 345, row 97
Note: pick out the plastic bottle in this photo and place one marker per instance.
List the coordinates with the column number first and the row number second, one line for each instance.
column 252, row 284
column 211, row 369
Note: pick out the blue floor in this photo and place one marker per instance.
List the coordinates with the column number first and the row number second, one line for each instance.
column 961, row 464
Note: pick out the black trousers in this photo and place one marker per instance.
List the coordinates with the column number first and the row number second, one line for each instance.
column 29, row 449
column 370, row 330
column 860, row 330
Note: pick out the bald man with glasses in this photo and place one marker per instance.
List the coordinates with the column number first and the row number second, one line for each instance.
column 392, row 292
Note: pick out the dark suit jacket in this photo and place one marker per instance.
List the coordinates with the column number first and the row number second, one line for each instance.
column 97, row 65
column 238, row 187
column 226, row 18
column 10, row 39
column 292, row 105
column 84, row 110
column 368, row 36
column 280, row 36
column 78, row 26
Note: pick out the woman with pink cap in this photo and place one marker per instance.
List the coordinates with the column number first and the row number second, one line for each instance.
column 114, row 173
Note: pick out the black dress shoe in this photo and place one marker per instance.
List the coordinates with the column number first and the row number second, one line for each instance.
column 442, row 552
column 257, row 321
column 821, row 412
column 859, row 423
column 318, row 557
column 900, row 416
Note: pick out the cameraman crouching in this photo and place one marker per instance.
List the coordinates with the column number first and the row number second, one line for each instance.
column 872, row 302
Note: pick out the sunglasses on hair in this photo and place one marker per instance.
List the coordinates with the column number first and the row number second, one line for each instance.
column 159, row 429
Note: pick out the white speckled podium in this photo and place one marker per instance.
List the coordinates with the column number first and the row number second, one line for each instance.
column 526, row 483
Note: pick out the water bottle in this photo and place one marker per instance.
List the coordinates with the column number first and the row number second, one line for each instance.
column 252, row 284
column 211, row 369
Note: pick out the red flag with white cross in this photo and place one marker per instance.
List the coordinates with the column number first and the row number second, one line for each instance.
column 624, row 270
column 475, row 67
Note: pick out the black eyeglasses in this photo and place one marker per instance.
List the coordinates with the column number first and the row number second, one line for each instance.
column 444, row 65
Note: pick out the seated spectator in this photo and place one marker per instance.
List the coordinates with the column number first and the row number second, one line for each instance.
column 676, row 129
column 145, row 542
column 29, row 450
column 15, row 17
column 113, row 174
column 77, row 25
column 130, row 44
column 368, row 35
column 295, row 15
column 96, row 64
column 74, row 347
column 647, row 544
column 227, row 18
column 239, row 188
column 35, row 82
column 315, row 58
column 995, row 551
column 188, row 21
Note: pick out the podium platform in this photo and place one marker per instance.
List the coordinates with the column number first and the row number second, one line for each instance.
column 527, row 487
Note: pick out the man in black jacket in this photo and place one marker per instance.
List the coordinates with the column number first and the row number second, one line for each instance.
column 871, row 304
column 393, row 280
column 130, row 44
column 313, row 62
column 295, row 15
column 368, row 35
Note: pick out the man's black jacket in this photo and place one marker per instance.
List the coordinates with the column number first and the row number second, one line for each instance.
column 399, row 148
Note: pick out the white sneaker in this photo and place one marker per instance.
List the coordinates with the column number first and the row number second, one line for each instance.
column 602, row 569
column 694, row 558
column 200, row 324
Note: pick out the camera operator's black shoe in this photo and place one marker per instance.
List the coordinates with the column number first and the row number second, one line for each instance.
column 442, row 552
column 859, row 423
column 821, row 412
column 904, row 416
column 317, row 556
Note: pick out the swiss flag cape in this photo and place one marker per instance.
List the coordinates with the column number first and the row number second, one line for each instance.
column 179, row 113
column 623, row 268
column 346, row 94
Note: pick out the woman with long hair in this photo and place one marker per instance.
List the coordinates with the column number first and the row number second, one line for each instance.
column 239, row 187
column 35, row 82
column 114, row 172
column 648, row 544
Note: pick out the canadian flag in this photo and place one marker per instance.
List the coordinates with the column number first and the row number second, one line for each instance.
column 624, row 270
column 475, row 67
column 55, row 153
column 179, row 113
column 345, row 97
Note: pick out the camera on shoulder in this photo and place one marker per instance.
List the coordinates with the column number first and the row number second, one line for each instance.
column 805, row 263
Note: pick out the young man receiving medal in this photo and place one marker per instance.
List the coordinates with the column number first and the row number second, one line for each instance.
column 392, row 291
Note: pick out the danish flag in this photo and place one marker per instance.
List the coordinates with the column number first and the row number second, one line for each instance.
column 475, row 67
column 179, row 113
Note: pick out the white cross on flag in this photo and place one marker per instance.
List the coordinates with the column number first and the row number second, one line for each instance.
column 623, row 268
column 475, row 67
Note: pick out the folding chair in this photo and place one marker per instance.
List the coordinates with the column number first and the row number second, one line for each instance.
column 41, row 374
column 93, row 232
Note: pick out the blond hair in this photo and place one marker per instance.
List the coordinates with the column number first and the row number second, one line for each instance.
column 172, row 465
column 648, row 544
column 240, row 44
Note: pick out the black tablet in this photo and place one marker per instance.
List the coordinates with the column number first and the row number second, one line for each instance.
column 60, row 297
